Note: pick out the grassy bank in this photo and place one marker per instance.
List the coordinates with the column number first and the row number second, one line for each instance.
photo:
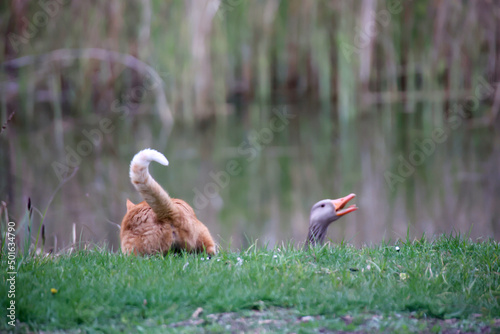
column 425, row 286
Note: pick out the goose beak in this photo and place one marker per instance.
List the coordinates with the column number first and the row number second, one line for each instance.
column 340, row 203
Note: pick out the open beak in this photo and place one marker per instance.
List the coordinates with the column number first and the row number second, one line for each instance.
column 340, row 204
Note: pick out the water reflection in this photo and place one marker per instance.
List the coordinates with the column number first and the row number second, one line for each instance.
column 255, row 175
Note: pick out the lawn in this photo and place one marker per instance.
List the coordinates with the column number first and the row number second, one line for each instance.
column 441, row 285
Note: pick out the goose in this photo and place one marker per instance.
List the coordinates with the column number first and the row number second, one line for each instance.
column 323, row 214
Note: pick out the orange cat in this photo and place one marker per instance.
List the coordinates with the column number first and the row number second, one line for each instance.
column 160, row 222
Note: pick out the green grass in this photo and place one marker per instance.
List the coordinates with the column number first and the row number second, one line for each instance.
column 339, row 287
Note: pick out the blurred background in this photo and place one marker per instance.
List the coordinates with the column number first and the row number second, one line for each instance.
column 397, row 101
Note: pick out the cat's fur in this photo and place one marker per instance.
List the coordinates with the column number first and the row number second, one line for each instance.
column 160, row 223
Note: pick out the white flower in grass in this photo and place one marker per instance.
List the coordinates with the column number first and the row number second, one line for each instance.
column 239, row 261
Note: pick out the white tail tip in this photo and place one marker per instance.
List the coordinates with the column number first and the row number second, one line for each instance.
column 144, row 157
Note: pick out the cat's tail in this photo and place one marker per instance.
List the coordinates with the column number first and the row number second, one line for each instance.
column 157, row 198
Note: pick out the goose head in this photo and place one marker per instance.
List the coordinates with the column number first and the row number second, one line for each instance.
column 323, row 214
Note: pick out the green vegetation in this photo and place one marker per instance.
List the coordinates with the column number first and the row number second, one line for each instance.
column 426, row 285
column 368, row 83
column 338, row 52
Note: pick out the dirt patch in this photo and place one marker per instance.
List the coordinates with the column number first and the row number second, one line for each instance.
column 290, row 321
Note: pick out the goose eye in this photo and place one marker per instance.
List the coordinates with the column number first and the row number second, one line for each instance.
column 322, row 205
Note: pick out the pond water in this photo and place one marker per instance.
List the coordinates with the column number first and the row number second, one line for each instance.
column 255, row 173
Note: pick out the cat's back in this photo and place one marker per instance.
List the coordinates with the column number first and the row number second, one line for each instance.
column 142, row 232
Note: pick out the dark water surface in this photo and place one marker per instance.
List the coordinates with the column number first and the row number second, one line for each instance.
column 256, row 173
